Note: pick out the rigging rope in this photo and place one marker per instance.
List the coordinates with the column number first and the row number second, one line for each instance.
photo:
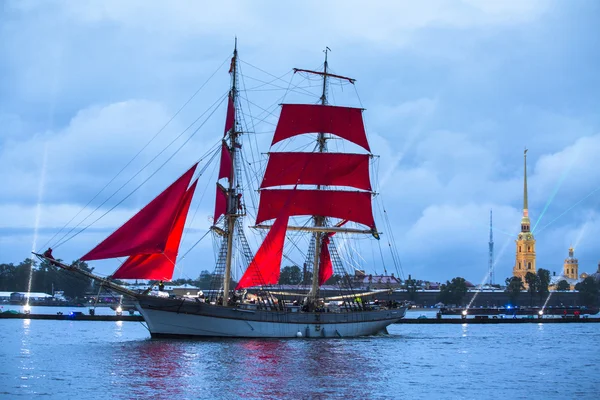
column 138, row 153
column 147, row 179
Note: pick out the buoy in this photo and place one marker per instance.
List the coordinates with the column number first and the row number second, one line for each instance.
column 298, row 334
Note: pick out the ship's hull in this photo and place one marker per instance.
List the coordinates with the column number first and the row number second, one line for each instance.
column 179, row 318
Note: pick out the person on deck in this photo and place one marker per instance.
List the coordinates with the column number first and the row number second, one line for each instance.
column 161, row 286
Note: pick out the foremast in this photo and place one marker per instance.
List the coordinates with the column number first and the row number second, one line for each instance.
column 232, row 213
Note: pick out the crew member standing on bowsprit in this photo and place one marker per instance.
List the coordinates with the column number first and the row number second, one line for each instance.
column 48, row 255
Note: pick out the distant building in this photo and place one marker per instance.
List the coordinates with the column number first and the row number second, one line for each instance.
column 525, row 254
column 361, row 279
column 596, row 276
column 182, row 290
column 24, row 297
column 570, row 273
column 571, row 265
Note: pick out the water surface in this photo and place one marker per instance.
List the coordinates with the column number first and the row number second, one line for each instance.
column 85, row 359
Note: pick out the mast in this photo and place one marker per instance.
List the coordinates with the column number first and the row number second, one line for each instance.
column 232, row 206
column 491, row 261
column 321, row 169
column 314, row 290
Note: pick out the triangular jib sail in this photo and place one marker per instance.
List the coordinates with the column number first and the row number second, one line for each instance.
column 154, row 230
column 159, row 266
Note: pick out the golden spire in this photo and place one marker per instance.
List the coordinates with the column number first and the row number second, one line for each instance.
column 525, row 223
column 525, row 206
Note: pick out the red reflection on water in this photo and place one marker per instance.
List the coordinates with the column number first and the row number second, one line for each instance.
column 156, row 367
column 269, row 368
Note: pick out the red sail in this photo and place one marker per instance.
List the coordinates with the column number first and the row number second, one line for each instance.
column 334, row 169
column 147, row 231
column 159, row 266
column 345, row 122
column 230, row 118
column 220, row 203
column 225, row 167
column 325, row 265
column 266, row 265
column 353, row 206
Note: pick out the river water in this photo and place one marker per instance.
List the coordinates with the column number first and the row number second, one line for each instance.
column 90, row 360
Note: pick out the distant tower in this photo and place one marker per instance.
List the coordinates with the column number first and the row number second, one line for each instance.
column 525, row 260
column 491, row 261
column 571, row 266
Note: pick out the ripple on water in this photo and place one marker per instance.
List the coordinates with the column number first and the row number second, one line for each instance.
column 89, row 359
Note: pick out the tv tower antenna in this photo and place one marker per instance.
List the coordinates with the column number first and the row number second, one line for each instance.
column 491, row 261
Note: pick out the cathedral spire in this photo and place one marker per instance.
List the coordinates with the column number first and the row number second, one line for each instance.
column 525, row 223
column 525, row 205
column 525, row 255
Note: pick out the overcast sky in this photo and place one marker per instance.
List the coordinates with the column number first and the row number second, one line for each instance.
column 454, row 91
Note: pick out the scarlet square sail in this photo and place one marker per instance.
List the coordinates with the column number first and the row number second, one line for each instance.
column 345, row 122
column 321, row 169
column 148, row 231
column 331, row 169
column 353, row 206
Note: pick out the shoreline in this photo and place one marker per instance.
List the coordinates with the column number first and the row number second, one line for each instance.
column 422, row 321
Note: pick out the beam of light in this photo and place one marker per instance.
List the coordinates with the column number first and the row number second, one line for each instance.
column 409, row 142
column 556, row 188
column 581, row 232
column 569, row 209
column 38, row 213
column 590, row 215
column 546, row 302
column 503, row 232
column 486, row 277
column 40, row 195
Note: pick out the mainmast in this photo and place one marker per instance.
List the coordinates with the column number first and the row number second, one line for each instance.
column 232, row 197
column 322, row 169
column 491, row 255
column 319, row 220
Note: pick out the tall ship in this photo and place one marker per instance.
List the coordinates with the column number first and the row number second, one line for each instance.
column 316, row 195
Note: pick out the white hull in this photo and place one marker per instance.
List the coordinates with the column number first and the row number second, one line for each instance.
column 163, row 323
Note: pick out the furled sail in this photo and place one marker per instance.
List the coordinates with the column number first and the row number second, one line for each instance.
column 220, row 203
column 266, row 264
column 225, row 167
column 230, row 118
column 148, row 231
column 159, row 266
column 326, row 267
column 353, row 206
column 345, row 122
column 331, row 169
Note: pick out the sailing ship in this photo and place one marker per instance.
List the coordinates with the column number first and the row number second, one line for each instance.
column 313, row 185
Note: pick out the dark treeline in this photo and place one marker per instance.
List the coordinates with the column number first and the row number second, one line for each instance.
column 44, row 278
